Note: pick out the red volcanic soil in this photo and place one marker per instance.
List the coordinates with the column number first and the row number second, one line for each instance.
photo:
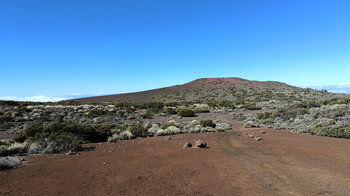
column 283, row 163
column 148, row 96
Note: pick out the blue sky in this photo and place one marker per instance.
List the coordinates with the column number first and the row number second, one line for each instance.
column 67, row 48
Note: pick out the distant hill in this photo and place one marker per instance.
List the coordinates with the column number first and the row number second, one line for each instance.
column 215, row 89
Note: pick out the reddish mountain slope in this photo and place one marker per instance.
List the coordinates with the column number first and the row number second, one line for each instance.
column 153, row 95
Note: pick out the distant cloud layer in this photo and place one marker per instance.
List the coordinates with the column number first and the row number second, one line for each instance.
column 38, row 98
column 43, row 98
column 340, row 88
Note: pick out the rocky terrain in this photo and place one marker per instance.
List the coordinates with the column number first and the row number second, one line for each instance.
column 206, row 114
column 330, row 118
column 282, row 163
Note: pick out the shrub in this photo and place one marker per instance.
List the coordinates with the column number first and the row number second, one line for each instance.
column 183, row 112
column 345, row 100
column 266, row 121
column 264, row 115
column 202, row 110
column 4, row 119
column 129, row 131
column 14, row 148
column 61, row 136
column 208, row 123
column 327, row 130
column 147, row 115
column 5, row 126
column 137, row 130
column 250, row 106
column 97, row 113
column 166, row 125
column 169, row 110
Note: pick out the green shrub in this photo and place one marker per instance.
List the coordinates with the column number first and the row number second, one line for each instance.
column 105, row 128
column 147, row 115
column 5, row 126
column 13, row 148
column 265, row 115
column 98, row 113
column 208, row 123
column 137, row 130
column 266, row 121
column 184, row 112
column 4, row 119
column 202, row 110
column 64, row 135
column 250, row 106
column 344, row 100
column 331, row 131
column 166, row 125
column 169, row 110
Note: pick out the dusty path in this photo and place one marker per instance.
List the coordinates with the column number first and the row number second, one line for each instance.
column 283, row 163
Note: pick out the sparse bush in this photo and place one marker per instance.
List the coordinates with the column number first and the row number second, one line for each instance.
column 344, row 100
column 13, row 148
column 166, row 125
column 61, row 136
column 98, row 113
column 183, row 112
column 5, row 126
column 265, row 115
column 266, row 121
column 250, row 106
column 202, row 110
column 169, row 110
column 147, row 115
column 208, row 123
column 328, row 130
column 4, row 119
column 137, row 130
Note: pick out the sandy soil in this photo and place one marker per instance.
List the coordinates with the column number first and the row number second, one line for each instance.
column 283, row 163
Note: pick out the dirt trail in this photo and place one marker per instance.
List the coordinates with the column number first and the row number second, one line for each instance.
column 283, row 163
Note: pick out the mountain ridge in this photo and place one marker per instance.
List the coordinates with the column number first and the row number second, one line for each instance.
column 201, row 89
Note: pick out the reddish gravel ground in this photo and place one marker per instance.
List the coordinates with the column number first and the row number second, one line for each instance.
column 283, row 163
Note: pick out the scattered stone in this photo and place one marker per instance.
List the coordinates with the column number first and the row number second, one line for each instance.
column 200, row 144
column 262, row 132
column 71, row 152
column 187, row 145
column 168, row 138
column 251, row 135
column 249, row 124
column 9, row 162
column 258, row 139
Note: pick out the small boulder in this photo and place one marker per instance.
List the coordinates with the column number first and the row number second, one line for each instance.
column 263, row 132
column 251, row 135
column 187, row 145
column 200, row 144
column 9, row 162
column 258, row 139
column 168, row 138
column 71, row 152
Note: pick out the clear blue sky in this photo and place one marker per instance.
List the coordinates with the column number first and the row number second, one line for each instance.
column 81, row 47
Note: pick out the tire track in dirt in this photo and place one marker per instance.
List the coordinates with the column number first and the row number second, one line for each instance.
column 278, row 173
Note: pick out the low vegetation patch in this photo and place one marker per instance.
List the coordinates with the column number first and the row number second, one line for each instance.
column 184, row 112
column 62, row 136
column 250, row 106
column 208, row 123
column 331, row 131
column 202, row 110
column 169, row 110
column 169, row 124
